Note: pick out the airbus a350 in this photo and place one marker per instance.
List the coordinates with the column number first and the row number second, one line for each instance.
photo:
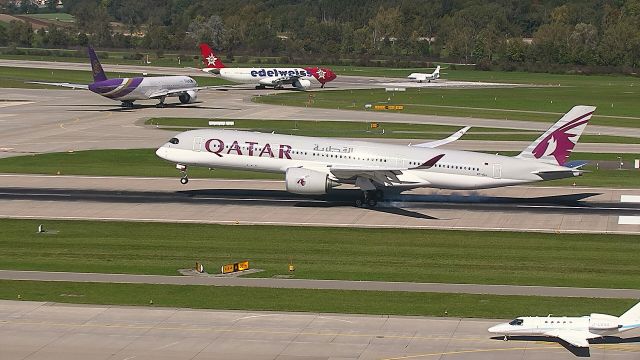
column 315, row 165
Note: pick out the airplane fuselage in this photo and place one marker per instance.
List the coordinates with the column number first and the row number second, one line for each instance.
column 276, row 153
column 140, row 88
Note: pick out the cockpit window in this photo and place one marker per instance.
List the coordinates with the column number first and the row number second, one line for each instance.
column 516, row 322
column 174, row 141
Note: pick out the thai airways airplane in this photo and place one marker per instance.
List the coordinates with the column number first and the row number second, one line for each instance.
column 421, row 77
column 575, row 330
column 128, row 90
column 315, row 165
column 299, row 78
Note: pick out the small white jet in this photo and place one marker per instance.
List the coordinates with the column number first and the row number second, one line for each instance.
column 128, row 90
column 276, row 77
column 314, row 165
column 574, row 330
column 422, row 77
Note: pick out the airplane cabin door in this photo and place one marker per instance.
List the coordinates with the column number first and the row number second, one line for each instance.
column 497, row 171
column 197, row 143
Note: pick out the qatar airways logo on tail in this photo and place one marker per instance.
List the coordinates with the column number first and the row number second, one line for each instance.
column 279, row 72
column 560, row 142
column 248, row 148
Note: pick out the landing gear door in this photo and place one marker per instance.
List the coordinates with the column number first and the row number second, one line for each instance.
column 197, row 143
column 497, row 171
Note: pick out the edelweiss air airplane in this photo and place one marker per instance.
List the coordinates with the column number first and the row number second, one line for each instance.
column 421, row 77
column 574, row 330
column 315, row 165
column 299, row 78
column 128, row 90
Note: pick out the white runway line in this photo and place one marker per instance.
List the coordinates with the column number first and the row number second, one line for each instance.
column 4, row 104
column 629, row 220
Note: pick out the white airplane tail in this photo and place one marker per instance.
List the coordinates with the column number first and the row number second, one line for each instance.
column 557, row 143
column 631, row 317
column 436, row 72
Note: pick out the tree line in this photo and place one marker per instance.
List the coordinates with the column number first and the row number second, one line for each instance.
column 589, row 35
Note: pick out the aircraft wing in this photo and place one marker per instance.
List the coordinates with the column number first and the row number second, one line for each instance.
column 67, row 85
column 573, row 337
column 455, row 136
column 165, row 92
column 380, row 174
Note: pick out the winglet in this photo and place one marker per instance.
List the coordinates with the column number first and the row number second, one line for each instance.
column 430, row 163
column 455, row 136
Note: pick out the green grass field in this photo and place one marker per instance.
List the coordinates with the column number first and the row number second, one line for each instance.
column 322, row 301
column 14, row 77
column 144, row 162
column 359, row 129
column 64, row 17
column 615, row 97
column 586, row 260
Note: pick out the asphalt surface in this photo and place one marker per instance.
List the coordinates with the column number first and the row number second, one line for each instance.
column 210, row 280
column 522, row 208
column 37, row 330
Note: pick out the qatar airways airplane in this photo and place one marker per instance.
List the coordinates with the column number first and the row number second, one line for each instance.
column 128, row 90
column 299, row 78
column 575, row 330
column 315, row 165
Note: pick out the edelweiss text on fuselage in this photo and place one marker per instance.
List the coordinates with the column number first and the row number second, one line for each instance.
column 277, row 72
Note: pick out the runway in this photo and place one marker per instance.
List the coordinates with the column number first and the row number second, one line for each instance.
column 37, row 330
column 522, row 208
column 218, row 280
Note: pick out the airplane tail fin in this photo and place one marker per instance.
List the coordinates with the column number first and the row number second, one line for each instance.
column 631, row 317
column 437, row 71
column 210, row 59
column 96, row 68
column 557, row 143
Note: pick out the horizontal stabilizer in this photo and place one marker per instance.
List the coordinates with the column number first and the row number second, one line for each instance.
column 576, row 164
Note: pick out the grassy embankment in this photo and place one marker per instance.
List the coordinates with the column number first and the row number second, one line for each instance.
column 583, row 260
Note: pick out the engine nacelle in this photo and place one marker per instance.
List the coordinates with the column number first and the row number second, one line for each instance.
column 603, row 322
column 188, row 97
column 302, row 84
column 308, row 182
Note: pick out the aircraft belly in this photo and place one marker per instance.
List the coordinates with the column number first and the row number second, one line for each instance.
column 239, row 78
column 464, row 182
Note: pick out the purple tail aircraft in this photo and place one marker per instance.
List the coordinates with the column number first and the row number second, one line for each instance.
column 128, row 90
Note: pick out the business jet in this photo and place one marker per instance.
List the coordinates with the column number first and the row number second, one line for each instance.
column 314, row 166
column 128, row 90
column 277, row 77
column 574, row 330
column 422, row 77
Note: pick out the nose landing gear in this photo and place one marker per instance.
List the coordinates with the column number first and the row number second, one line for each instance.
column 184, row 179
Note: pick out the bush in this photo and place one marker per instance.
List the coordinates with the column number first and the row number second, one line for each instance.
column 135, row 56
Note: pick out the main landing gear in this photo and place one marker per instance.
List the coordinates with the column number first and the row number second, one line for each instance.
column 161, row 103
column 260, row 87
column 184, row 179
column 128, row 104
column 369, row 198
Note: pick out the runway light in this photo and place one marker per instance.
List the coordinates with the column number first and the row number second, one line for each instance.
column 150, row 302
column 19, row 297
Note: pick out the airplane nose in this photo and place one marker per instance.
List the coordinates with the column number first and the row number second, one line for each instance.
column 162, row 152
column 496, row 329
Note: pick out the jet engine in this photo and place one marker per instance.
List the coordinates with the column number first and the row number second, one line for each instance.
column 603, row 322
column 308, row 182
column 302, row 84
column 188, row 97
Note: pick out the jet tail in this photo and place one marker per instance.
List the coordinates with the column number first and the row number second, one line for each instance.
column 210, row 59
column 96, row 68
column 436, row 73
column 631, row 317
column 557, row 143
